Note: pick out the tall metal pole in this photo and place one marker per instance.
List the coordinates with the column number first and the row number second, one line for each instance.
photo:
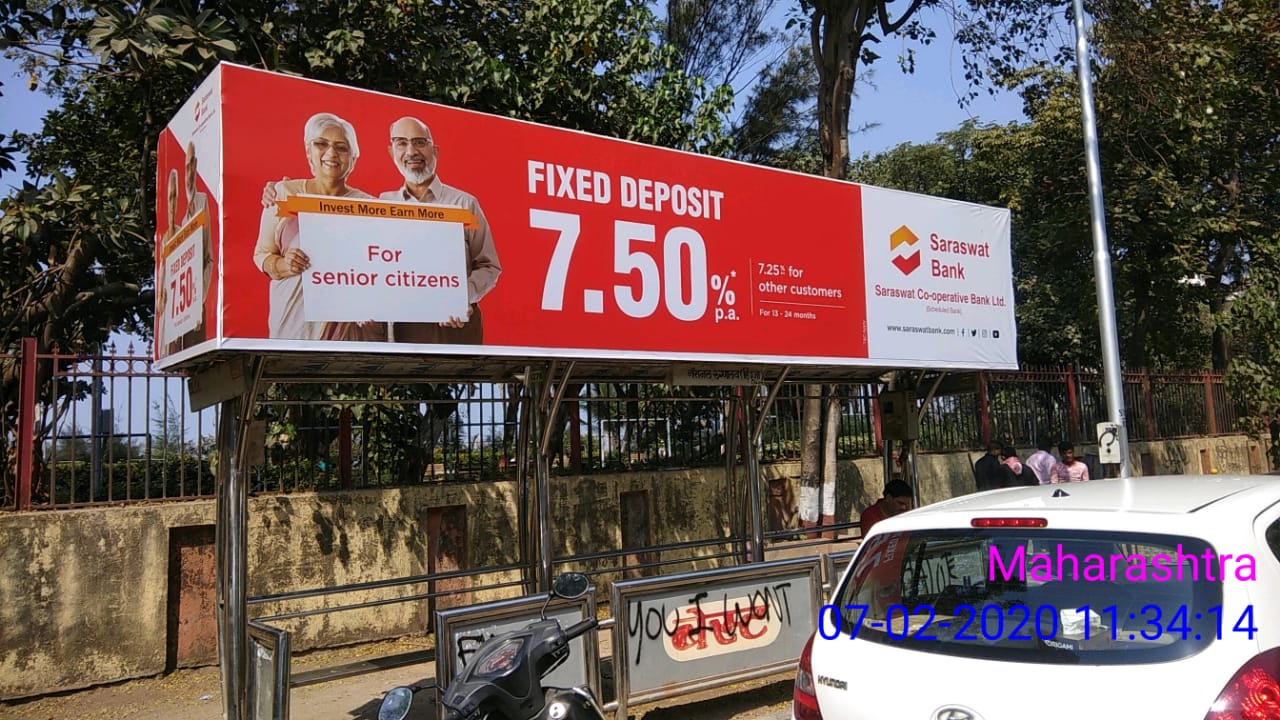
column 1101, row 249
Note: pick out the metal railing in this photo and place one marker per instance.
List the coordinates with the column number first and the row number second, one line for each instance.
column 107, row 428
column 111, row 428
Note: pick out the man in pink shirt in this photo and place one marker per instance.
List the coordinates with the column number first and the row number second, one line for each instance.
column 1070, row 469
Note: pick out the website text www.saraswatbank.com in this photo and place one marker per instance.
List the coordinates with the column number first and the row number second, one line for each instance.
column 920, row 330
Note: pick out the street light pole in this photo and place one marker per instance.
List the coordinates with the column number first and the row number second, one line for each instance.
column 1101, row 249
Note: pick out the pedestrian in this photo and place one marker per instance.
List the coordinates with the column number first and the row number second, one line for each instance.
column 1042, row 461
column 987, row 472
column 1069, row 469
column 1015, row 472
column 897, row 499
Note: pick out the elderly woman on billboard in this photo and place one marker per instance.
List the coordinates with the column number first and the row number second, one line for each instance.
column 332, row 151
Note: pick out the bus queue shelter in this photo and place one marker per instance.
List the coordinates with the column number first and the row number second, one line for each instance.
column 577, row 258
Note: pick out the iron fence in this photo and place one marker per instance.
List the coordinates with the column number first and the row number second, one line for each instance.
column 110, row 428
column 106, row 428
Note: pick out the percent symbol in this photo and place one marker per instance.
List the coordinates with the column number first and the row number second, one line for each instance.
column 720, row 283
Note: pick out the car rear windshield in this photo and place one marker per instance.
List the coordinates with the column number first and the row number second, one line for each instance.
column 1036, row 595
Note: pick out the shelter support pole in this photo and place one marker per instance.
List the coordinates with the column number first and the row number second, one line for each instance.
column 541, row 481
column 549, row 405
column 755, row 419
column 736, row 525
column 232, row 552
column 753, row 483
column 527, row 492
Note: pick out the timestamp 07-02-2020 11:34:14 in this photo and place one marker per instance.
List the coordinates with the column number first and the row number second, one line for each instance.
column 995, row 623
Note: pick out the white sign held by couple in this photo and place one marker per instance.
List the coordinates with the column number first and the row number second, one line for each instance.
column 382, row 261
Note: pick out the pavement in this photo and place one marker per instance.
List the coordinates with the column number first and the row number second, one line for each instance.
column 194, row 694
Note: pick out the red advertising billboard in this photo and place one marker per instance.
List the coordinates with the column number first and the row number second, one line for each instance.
column 340, row 220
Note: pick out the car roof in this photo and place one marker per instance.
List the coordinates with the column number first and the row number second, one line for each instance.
column 1234, row 495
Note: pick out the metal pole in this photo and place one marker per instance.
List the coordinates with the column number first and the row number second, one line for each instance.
column 548, row 409
column 753, row 484
column 27, row 426
column 736, row 526
column 232, row 549
column 232, row 561
column 96, row 432
column 527, row 510
column 1101, row 250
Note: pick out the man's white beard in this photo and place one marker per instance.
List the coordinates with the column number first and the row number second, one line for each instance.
column 419, row 177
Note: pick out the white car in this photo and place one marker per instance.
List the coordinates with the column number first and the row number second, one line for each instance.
column 1100, row 600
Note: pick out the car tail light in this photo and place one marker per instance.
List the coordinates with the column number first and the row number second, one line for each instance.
column 1253, row 693
column 1004, row 522
column 804, row 705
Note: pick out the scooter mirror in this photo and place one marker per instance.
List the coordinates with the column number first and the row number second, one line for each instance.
column 395, row 706
column 570, row 585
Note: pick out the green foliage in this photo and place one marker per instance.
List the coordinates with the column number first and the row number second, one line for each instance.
column 778, row 125
column 1194, row 163
column 77, row 240
column 1254, row 325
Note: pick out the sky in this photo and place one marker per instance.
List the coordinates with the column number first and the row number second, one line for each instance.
column 903, row 108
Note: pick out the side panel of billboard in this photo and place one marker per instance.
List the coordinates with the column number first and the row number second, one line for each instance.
column 939, row 284
column 358, row 221
column 188, row 222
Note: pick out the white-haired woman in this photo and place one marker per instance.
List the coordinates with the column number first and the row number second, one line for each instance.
column 332, row 151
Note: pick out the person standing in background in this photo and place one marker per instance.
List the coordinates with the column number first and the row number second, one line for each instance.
column 1042, row 461
column 1070, row 469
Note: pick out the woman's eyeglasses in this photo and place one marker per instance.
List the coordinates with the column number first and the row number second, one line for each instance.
column 322, row 146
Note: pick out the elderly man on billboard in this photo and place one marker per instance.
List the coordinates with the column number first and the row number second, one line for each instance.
column 415, row 153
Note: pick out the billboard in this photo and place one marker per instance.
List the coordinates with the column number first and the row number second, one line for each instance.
column 338, row 220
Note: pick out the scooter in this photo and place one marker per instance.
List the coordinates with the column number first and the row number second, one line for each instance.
column 504, row 680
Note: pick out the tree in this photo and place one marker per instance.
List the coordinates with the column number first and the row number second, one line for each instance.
column 716, row 39
column 78, row 237
column 778, row 125
column 840, row 36
column 1193, row 151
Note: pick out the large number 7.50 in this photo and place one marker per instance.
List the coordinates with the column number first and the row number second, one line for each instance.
column 182, row 289
column 655, row 286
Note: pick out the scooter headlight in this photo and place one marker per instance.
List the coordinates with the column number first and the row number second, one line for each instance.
column 499, row 659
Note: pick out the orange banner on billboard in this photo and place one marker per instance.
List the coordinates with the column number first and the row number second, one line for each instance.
column 369, row 208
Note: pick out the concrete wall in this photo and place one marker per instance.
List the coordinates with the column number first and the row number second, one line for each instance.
column 84, row 593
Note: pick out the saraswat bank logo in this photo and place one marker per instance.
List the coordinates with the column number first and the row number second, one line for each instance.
column 906, row 264
column 204, row 106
